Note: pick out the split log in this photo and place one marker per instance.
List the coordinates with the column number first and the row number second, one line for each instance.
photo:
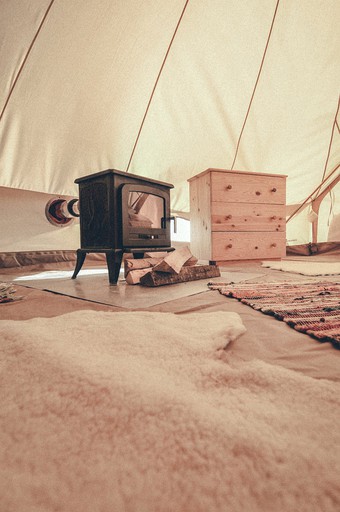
column 134, row 276
column 156, row 254
column 190, row 273
column 191, row 261
column 135, row 264
column 161, row 255
column 174, row 261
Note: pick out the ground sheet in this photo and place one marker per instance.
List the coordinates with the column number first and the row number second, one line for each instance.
column 307, row 268
column 309, row 307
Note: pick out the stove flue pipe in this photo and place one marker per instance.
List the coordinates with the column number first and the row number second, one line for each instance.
column 61, row 212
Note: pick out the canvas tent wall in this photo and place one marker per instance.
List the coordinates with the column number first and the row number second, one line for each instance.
column 164, row 89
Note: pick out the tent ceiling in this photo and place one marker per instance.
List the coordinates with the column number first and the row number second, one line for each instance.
column 74, row 101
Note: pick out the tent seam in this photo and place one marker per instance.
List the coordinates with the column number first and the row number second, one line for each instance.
column 25, row 59
column 155, row 85
column 255, row 86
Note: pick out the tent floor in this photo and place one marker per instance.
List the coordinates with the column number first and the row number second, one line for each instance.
column 266, row 338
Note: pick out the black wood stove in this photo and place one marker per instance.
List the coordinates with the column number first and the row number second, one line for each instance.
column 121, row 212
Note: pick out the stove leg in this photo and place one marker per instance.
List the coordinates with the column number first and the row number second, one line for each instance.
column 81, row 255
column 114, row 261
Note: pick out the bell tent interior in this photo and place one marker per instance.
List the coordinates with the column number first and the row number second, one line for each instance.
column 182, row 392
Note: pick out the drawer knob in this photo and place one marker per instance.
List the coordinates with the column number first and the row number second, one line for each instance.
column 273, row 217
column 228, row 187
column 256, row 247
column 273, row 245
column 273, row 189
column 228, row 217
column 229, row 246
column 258, row 193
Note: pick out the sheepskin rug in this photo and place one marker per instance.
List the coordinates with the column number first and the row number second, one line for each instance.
column 146, row 412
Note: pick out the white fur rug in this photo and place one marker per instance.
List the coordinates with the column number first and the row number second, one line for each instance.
column 307, row 268
column 141, row 412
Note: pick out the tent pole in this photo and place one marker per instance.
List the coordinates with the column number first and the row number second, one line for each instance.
column 316, row 206
column 311, row 195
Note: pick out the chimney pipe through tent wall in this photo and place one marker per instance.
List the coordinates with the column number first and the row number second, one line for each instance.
column 61, row 212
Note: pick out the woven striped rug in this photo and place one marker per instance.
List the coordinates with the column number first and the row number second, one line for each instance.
column 311, row 308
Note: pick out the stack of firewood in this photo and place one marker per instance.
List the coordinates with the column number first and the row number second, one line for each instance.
column 160, row 268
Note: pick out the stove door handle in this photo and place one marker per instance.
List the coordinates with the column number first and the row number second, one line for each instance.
column 174, row 218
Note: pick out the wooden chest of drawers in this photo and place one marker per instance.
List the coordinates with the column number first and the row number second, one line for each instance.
column 237, row 215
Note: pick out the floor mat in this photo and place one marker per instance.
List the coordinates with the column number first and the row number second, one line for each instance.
column 309, row 307
column 93, row 285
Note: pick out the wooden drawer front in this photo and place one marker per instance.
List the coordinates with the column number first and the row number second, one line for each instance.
column 239, row 188
column 247, row 217
column 247, row 246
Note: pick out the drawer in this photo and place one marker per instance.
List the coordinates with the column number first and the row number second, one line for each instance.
column 246, row 188
column 247, row 217
column 247, row 246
